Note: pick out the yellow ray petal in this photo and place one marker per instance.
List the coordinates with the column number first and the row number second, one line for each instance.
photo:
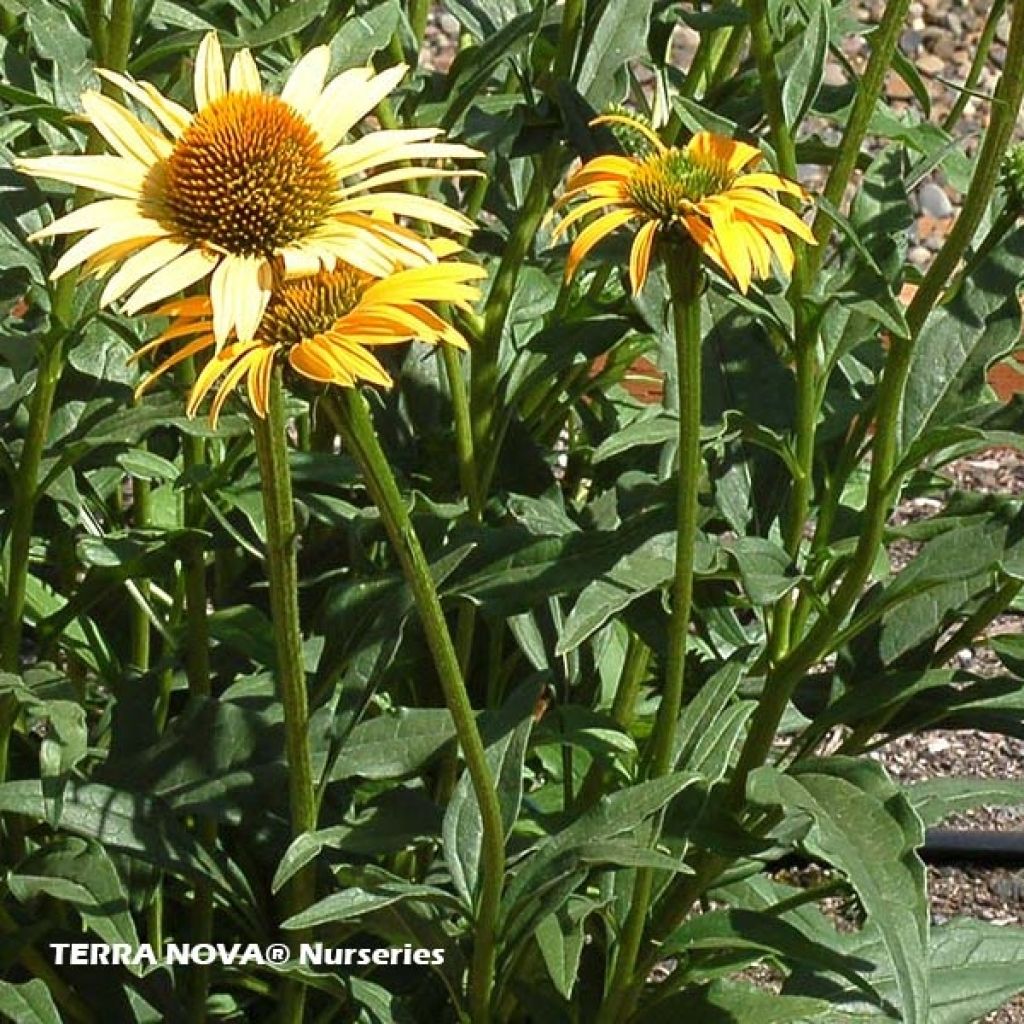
column 209, row 82
column 187, row 269
column 377, row 148
column 403, row 204
column 337, row 92
column 244, row 75
column 397, row 174
column 709, row 148
column 350, row 108
column 757, row 206
column 209, row 374
column 591, row 235
column 731, row 243
column 111, row 174
column 358, row 361
column 95, row 215
column 239, row 292
column 124, row 132
column 174, row 117
column 763, row 179
column 230, row 382
column 309, row 360
column 178, row 329
column 306, row 82
column 640, row 255
column 258, row 380
column 145, row 262
column 141, row 230
column 578, row 213
column 780, row 245
column 183, row 353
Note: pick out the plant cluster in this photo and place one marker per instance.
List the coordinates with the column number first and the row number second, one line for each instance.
column 450, row 511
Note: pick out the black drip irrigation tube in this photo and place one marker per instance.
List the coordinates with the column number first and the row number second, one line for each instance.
column 969, row 847
column 966, row 846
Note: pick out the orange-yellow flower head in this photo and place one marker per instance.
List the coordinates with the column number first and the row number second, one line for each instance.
column 250, row 187
column 325, row 325
column 703, row 191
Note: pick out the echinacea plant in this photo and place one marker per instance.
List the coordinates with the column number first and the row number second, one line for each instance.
column 449, row 513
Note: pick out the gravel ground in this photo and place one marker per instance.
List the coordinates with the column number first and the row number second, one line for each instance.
column 940, row 39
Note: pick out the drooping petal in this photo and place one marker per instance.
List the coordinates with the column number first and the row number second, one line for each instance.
column 636, row 125
column 591, row 235
column 187, row 269
column 140, row 229
column 640, row 255
column 145, row 262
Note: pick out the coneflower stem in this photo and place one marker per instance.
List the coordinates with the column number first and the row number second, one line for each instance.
column 359, row 436
column 685, row 285
column 884, row 40
column 197, row 672
column 282, row 573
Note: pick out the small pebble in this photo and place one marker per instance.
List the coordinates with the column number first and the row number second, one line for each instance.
column 934, row 201
column 449, row 24
column 920, row 256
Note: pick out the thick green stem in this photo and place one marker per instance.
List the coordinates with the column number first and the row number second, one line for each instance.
column 685, row 285
column 140, row 617
column 282, row 573
column 358, row 433
column 26, row 496
column 805, row 338
column 883, row 44
column 982, row 47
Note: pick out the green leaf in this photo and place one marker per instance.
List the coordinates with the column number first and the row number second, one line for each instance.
column 727, row 1002
column 560, row 938
column 363, row 35
column 147, row 465
column 765, row 568
column 288, row 21
column 356, row 902
column 28, row 1003
column 648, row 568
column 935, row 799
column 974, row 967
column 506, row 736
column 862, row 824
column 133, row 824
column 79, row 872
column 748, row 929
column 394, row 744
column 802, row 79
column 618, row 36
column 623, row 811
column 960, row 340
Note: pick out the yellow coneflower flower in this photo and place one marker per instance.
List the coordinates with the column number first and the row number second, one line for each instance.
column 248, row 186
column 702, row 190
column 324, row 325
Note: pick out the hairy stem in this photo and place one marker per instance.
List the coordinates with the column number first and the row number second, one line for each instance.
column 684, row 276
column 282, row 572
column 360, row 437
